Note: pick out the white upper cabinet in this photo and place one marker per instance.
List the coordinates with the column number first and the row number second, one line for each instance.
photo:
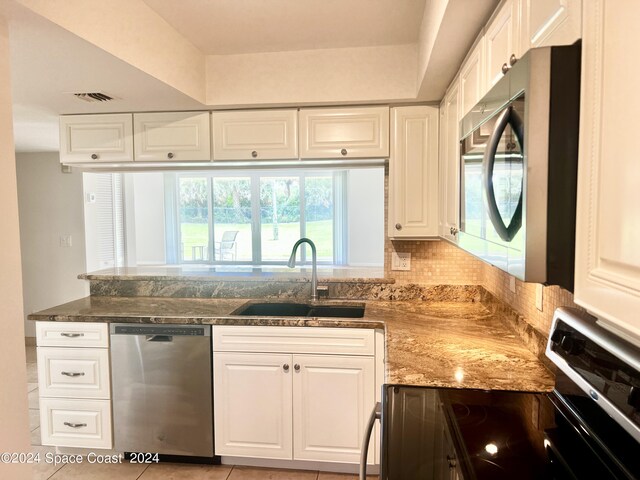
column 472, row 78
column 501, row 41
column 449, row 163
column 607, row 281
column 354, row 132
column 172, row 137
column 96, row 138
column 413, row 173
column 255, row 135
column 550, row 22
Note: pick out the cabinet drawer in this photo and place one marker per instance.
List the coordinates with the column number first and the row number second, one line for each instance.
column 72, row 334
column 351, row 341
column 255, row 135
column 73, row 372
column 344, row 132
column 75, row 423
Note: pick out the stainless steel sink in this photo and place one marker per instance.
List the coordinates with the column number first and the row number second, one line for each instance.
column 290, row 309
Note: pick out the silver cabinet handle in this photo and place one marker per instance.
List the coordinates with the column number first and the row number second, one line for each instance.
column 296, row 367
column 398, row 226
column 376, row 414
column 94, row 156
column 71, row 335
column 254, row 154
column 343, row 152
column 170, row 155
column 72, row 374
column 513, row 59
column 75, row 425
column 505, row 68
column 285, row 367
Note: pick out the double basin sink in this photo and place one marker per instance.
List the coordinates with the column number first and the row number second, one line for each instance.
column 290, row 309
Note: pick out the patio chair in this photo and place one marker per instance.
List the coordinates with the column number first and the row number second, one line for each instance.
column 227, row 248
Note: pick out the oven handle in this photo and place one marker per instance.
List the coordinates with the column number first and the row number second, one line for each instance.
column 376, row 413
column 508, row 116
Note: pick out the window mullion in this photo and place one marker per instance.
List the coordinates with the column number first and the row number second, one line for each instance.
column 212, row 233
column 303, row 223
column 256, row 221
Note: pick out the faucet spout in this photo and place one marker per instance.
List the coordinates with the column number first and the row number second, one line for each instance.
column 314, row 264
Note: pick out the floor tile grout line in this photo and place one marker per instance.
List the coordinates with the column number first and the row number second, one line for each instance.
column 142, row 472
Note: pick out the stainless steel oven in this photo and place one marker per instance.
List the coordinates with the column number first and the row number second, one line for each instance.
column 518, row 164
column 587, row 428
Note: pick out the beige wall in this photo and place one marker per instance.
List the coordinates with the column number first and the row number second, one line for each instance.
column 332, row 76
column 134, row 33
column 14, row 420
column 50, row 204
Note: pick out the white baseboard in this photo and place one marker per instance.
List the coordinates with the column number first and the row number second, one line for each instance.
column 299, row 465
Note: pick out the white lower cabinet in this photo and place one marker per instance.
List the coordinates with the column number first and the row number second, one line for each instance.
column 292, row 406
column 252, row 404
column 74, row 384
column 332, row 399
column 75, row 422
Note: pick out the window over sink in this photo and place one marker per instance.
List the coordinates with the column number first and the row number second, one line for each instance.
column 240, row 217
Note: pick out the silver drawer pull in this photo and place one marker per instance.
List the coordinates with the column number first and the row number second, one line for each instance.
column 72, row 374
column 71, row 335
column 75, row 425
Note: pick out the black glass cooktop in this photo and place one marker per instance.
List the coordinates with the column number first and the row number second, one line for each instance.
column 431, row 433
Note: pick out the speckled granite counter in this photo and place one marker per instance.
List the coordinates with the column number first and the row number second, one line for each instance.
column 440, row 344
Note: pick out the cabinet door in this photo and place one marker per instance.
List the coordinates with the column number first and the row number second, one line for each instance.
column 551, row 22
column 607, row 281
column 172, row 137
column 472, row 79
column 344, row 132
column 449, row 164
column 413, row 173
column 96, row 138
column 255, row 135
column 500, row 41
column 332, row 399
column 252, row 404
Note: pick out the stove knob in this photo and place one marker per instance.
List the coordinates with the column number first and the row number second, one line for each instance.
column 572, row 346
column 634, row 398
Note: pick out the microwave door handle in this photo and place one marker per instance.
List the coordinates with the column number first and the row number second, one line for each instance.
column 507, row 116
column 376, row 413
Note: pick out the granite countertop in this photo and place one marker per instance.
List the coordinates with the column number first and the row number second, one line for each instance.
column 240, row 274
column 436, row 344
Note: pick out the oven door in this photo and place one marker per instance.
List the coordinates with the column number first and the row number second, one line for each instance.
column 492, row 163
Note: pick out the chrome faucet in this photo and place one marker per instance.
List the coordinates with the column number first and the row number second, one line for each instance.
column 314, row 265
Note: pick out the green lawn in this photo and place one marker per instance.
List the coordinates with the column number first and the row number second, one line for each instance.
column 321, row 232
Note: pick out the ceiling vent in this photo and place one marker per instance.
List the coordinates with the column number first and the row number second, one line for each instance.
column 93, row 97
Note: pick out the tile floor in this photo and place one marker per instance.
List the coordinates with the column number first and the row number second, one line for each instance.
column 127, row 471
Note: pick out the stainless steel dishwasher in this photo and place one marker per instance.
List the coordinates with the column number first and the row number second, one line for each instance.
column 162, row 394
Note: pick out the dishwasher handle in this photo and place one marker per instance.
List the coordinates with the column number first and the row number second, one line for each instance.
column 159, row 338
column 376, row 414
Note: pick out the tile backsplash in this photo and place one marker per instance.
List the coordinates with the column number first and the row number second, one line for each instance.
column 434, row 262
column 524, row 299
column 440, row 262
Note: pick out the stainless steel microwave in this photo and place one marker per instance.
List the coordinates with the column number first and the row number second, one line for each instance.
column 518, row 169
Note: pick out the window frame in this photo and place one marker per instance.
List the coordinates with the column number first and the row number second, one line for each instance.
column 255, row 176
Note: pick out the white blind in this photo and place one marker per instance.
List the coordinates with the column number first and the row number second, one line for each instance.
column 109, row 223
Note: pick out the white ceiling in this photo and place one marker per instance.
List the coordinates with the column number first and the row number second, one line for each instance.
column 250, row 26
column 48, row 63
